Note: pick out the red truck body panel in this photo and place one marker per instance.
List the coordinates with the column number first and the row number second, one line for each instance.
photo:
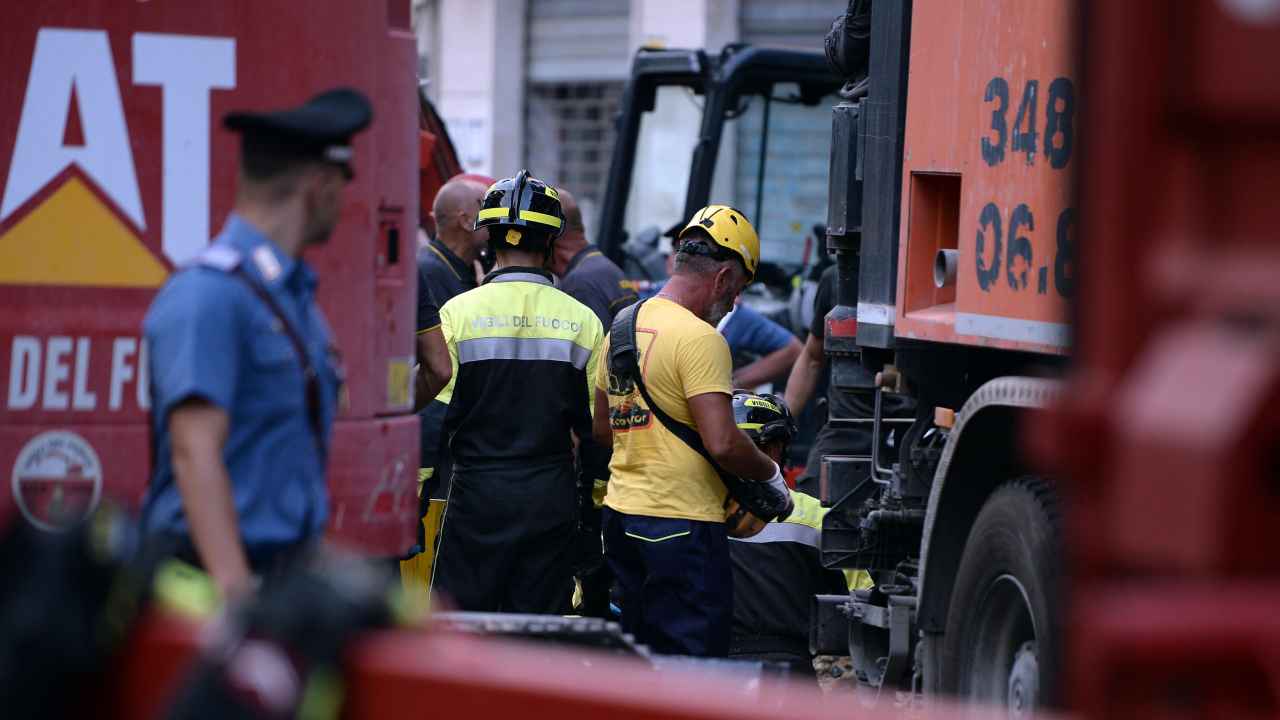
column 115, row 170
column 1167, row 431
column 987, row 162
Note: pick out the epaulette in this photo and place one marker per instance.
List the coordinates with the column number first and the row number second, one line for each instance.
column 218, row 257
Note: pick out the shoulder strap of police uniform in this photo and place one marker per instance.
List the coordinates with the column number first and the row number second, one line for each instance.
column 311, row 380
column 219, row 257
column 231, row 261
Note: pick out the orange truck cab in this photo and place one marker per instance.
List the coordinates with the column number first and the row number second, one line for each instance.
column 953, row 225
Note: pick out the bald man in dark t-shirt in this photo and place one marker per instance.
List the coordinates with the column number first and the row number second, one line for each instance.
column 585, row 273
column 446, row 267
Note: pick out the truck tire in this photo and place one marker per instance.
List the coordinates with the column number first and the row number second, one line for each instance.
column 1002, row 642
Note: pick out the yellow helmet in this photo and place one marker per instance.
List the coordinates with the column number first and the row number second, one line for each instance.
column 729, row 229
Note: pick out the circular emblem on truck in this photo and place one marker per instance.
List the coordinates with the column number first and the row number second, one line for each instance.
column 57, row 480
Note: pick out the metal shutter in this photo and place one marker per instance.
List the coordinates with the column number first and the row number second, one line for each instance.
column 570, row 134
column 578, row 40
column 792, row 24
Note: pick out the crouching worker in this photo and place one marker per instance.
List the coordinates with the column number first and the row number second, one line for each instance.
column 777, row 570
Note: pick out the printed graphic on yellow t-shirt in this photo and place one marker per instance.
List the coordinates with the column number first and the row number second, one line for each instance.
column 653, row 472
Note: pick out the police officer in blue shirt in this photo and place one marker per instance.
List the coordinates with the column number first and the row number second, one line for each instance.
column 243, row 373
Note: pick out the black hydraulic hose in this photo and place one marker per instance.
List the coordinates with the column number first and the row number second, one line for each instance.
column 877, row 517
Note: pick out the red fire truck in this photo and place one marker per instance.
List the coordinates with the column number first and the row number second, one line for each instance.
column 115, row 170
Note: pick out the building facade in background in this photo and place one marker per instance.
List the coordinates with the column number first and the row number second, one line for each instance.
column 537, row 84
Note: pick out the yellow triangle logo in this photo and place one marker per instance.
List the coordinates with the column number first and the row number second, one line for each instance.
column 72, row 238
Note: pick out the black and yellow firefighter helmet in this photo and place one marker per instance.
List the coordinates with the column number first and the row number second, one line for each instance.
column 764, row 417
column 521, row 212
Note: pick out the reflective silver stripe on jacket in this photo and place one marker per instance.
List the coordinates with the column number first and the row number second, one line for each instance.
column 784, row 532
column 517, row 348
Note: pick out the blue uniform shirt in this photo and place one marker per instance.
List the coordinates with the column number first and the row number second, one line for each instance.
column 210, row 337
column 595, row 281
column 747, row 330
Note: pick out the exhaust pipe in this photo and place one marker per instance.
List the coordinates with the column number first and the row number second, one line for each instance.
column 944, row 267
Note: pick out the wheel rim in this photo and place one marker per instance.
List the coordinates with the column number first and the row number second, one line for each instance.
column 1024, row 682
column 1005, row 668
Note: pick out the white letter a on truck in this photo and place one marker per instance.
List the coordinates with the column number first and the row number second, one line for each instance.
column 67, row 60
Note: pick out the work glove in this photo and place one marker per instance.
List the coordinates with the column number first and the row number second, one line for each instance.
column 752, row 503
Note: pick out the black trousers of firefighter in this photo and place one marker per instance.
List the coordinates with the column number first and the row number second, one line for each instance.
column 507, row 541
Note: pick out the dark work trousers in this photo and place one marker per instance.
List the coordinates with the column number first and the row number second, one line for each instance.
column 676, row 581
column 507, row 540
column 592, row 571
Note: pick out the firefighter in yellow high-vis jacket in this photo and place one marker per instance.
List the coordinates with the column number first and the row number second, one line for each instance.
column 524, row 356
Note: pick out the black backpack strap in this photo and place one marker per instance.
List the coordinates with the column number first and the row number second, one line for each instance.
column 624, row 356
column 310, row 378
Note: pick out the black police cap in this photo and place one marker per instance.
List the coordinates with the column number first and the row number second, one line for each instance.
column 320, row 128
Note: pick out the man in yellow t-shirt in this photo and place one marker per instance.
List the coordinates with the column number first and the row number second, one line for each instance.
column 664, row 519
